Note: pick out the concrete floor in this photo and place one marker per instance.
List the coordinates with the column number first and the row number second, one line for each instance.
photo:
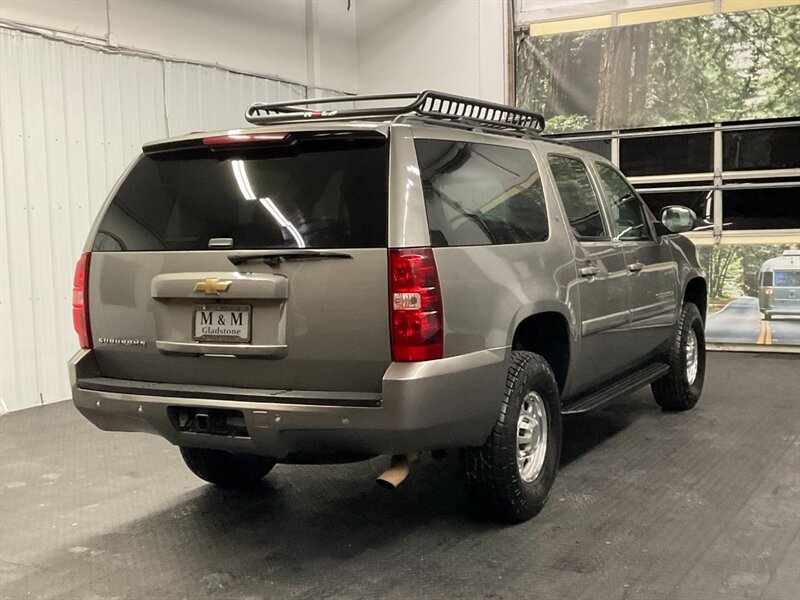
column 699, row 505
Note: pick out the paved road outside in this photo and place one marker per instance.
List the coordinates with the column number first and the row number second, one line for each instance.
column 740, row 322
column 648, row 505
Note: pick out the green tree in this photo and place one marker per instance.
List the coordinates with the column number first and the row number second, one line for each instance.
column 724, row 67
column 720, row 263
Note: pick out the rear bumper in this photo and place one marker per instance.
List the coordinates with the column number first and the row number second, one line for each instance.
column 781, row 310
column 445, row 403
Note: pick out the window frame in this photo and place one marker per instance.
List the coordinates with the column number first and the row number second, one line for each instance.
column 605, row 214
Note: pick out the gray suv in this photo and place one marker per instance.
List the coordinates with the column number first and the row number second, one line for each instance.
column 418, row 272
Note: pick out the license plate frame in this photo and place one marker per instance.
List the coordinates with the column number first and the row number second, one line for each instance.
column 228, row 338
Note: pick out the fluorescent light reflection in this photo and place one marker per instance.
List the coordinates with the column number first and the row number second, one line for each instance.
column 282, row 221
column 240, row 174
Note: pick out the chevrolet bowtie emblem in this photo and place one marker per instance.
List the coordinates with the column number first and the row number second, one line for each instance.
column 212, row 286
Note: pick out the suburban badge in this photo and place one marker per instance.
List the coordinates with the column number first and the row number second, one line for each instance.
column 121, row 341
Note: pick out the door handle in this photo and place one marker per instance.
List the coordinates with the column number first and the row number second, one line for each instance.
column 635, row 267
column 589, row 271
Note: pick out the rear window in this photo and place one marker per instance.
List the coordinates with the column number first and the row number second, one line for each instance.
column 787, row 278
column 481, row 194
column 316, row 192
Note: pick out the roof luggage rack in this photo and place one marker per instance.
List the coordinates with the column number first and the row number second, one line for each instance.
column 430, row 105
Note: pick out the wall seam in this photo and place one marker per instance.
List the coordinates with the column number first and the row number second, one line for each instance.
column 108, row 22
column 164, row 89
column 99, row 45
column 36, row 367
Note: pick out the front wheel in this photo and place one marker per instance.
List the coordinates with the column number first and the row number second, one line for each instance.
column 510, row 476
column 681, row 387
column 226, row 469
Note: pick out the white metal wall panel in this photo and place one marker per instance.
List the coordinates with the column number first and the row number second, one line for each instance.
column 71, row 119
column 200, row 98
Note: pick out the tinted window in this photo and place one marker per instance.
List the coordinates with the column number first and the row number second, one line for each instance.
column 766, row 278
column 787, row 278
column 312, row 193
column 578, row 196
column 701, row 202
column 761, row 149
column 667, row 154
column 626, row 208
column 601, row 147
column 760, row 209
column 478, row 194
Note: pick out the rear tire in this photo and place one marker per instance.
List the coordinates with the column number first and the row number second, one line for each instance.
column 510, row 476
column 681, row 387
column 225, row 469
column 767, row 316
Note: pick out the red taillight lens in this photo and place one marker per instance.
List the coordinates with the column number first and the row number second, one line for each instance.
column 245, row 138
column 415, row 310
column 80, row 301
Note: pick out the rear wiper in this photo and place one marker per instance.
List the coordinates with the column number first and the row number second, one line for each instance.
column 273, row 259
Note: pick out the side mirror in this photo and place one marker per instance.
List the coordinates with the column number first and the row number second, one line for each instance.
column 678, row 219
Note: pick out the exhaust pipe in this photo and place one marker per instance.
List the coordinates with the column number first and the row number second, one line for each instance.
column 398, row 470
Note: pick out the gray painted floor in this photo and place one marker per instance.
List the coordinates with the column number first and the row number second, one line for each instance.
column 699, row 505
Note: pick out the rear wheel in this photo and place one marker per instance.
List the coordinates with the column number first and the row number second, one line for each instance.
column 511, row 475
column 681, row 387
column 225, row 469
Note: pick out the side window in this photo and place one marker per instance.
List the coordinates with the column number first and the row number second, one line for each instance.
column 626, row 208
column 481, row 194
column 578, row 196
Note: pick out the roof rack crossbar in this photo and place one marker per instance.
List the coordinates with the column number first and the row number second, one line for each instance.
column 431, row 104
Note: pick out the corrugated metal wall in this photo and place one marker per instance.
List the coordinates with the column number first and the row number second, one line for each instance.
column 71, row 119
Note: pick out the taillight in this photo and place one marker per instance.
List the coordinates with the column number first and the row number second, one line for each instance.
column 80, row 301
column 235, row 137
column 417, row 317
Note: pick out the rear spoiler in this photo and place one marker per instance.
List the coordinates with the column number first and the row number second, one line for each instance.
column 242, row 139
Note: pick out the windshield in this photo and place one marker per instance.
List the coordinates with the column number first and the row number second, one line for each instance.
column 317, row 192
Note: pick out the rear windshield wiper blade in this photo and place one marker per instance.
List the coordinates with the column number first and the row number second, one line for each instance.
column 275, row 258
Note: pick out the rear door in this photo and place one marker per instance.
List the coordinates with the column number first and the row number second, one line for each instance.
column 602, row 275
column 256, row 265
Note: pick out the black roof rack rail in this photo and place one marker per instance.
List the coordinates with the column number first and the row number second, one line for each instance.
column 429, row 104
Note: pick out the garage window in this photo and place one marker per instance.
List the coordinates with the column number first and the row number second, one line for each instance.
column 769, row 148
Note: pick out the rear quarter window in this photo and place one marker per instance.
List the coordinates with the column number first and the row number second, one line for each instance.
column 312, row 193
column 481, row 194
